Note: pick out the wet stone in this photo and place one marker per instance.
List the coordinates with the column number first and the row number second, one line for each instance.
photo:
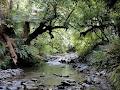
column 9, row 73
column 3, row 87
column 103, row 73
column 85, row 85
column 29, row 87
column 34, row 80
column 96, row 80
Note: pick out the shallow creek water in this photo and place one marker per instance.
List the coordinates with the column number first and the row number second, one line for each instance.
column 51, row 74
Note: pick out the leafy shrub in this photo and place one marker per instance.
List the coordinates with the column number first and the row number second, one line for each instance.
column 25, row 57
column 84, row 45
column 7, row 63
column 115, row 78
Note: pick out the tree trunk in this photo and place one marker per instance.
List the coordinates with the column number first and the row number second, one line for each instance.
column 10, row 45
column 10, row 5
column 26, row 29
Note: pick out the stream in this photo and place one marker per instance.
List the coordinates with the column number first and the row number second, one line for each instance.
column 54, row 75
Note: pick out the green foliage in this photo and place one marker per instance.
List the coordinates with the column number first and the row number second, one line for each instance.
column 107, row 56
column 98, row 57
column 113, row 54
column 6, row 63
column 22, row 51
column 5, row 60
column 115, row 78
column 86, row 11
column 114, row 50
column 25, row 56
column 84, row 44
column 59, row 44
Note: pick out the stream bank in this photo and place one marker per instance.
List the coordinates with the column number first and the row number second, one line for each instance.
column 54, row 75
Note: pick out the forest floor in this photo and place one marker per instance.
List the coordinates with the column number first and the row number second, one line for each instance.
column 54, row 75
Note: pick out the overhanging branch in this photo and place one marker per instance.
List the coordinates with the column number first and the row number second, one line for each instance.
column 57, row 27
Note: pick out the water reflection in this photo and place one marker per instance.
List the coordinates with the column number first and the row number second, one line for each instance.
column 52, row 74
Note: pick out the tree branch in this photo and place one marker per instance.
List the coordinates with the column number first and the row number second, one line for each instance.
column 56, row 27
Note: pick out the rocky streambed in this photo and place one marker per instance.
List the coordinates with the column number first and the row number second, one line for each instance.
column 55, row 74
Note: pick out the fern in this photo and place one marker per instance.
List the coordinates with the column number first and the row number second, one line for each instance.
column 25, row 57
column 23, row 51
column 6, row 63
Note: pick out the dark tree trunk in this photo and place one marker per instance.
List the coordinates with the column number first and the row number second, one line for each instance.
column 11, row 5
column 26, row 29
column 1, row 16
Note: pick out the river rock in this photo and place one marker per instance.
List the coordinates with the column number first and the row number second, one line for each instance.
column 96, row 80
column 85, row 85
column 88, row 80
column 17, row 83
column 103, row 73
column 3, row 87
column 9, row 73
column 9, row 83
column 29, row 87
column 29, row 82
column 34, row 80
column 65, row 83
column 68, row 58
column 82, row 68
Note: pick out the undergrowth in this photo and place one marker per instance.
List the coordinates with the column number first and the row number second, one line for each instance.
column 25, row 56
column 108, row 57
